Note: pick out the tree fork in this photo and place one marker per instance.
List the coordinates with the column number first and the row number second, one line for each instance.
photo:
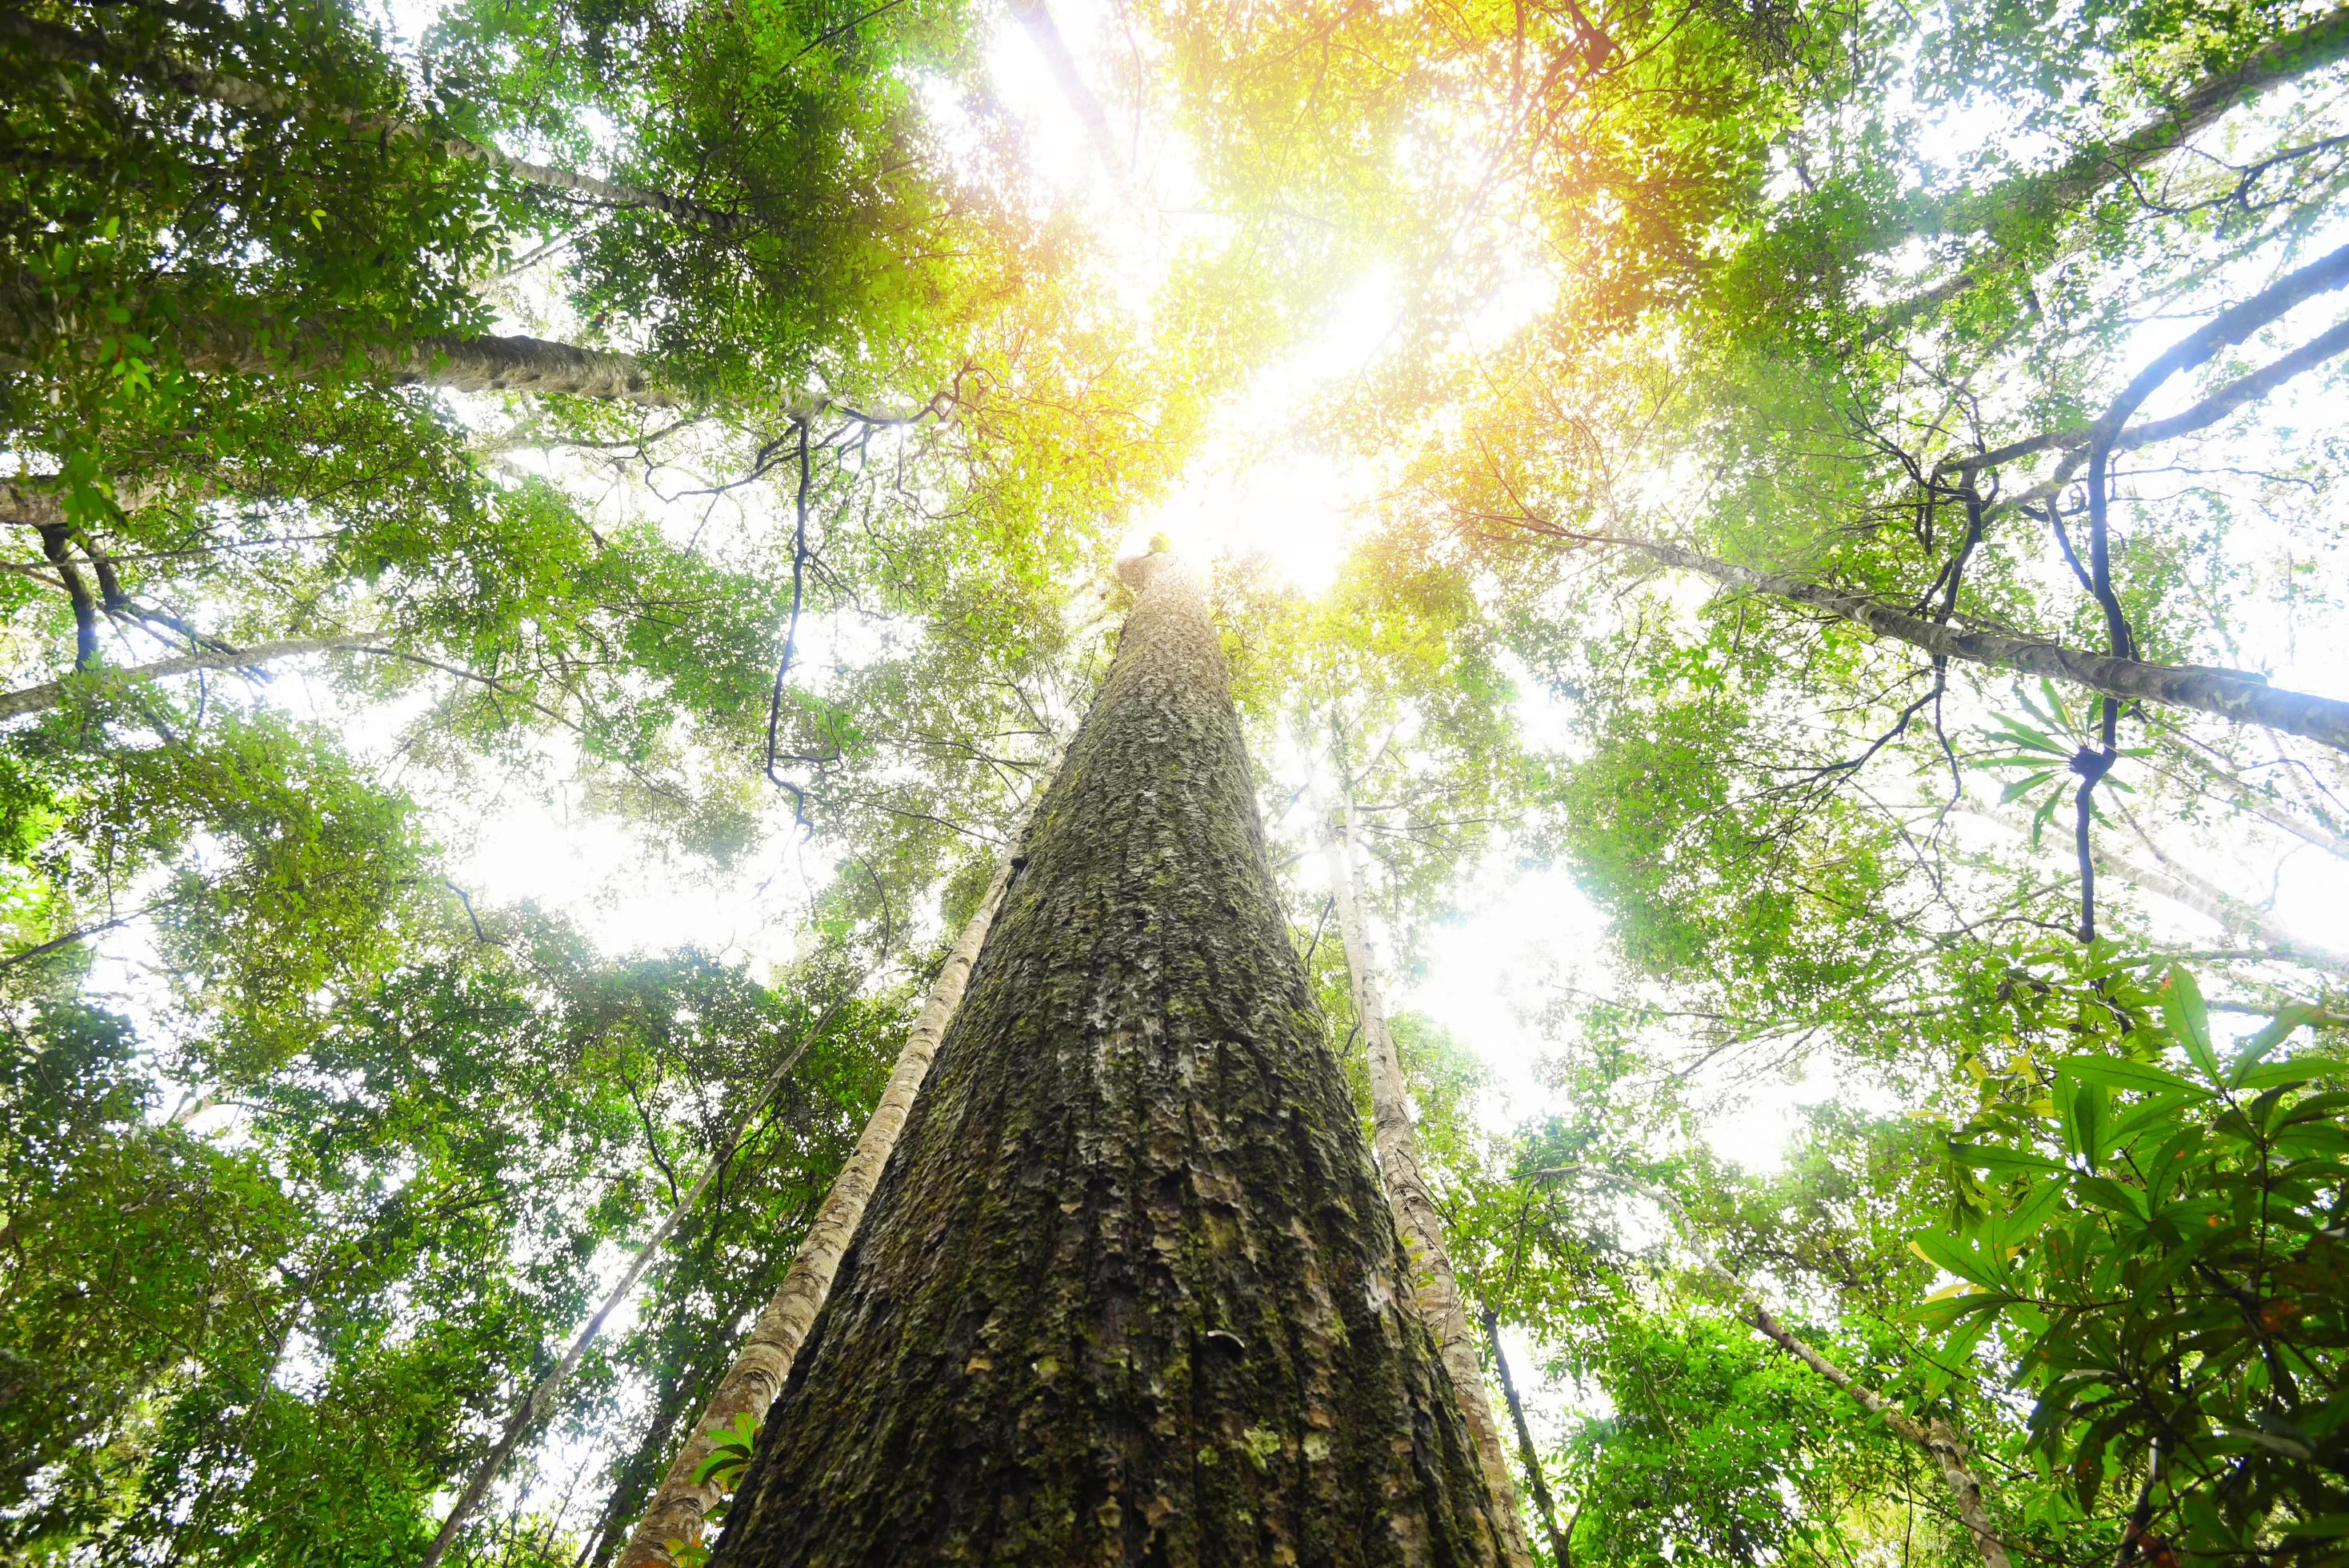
column 1416, row 1216
column 1127, row 1291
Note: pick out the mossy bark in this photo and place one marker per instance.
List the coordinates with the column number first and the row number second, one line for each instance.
column 1128, row 1292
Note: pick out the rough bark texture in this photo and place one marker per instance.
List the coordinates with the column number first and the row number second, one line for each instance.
column 764, row 1362
column 1561, row 1545
column 485, row 364
column 1416, row 1215
column 1128, row 1292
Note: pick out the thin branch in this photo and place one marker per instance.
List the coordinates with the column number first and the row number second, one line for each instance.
column 1935, row 1437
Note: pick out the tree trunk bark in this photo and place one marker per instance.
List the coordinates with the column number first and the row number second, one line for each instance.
column 489, row 363
column 764, row 1362
column 1416, row 1215
column 1562, row 1548
column 1127, row 1292
column 486, row 364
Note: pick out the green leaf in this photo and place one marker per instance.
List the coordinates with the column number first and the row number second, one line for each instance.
column 1989, row 1156
column 2189, row 1020
column 2023, row 787
column 2040, row 819
column 2299, row 1070
column 2136, row 1077
column 2085, row 1119
column 1948, row 1252
column 2110, row 1195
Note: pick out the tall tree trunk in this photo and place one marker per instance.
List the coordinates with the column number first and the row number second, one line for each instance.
column 489, row 363
column 1036, row 16
column 2198, row 107
column 2205, row 897
column 1416, row 1215
column 764, row 1362
column 1561, row 1543
column 1127, row 1292
column 486, row 364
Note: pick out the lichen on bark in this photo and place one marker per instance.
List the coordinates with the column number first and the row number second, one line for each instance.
column 1127, row 1292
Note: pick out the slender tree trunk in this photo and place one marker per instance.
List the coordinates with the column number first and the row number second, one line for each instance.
column 2196, row 109
column 2205, row 897
column 1127, row 1292
column 1560, row 1548
column 486, row 364
column 1416, row 1215
column 544, row 1393
column 489, row 363
column 641, row 1471
column 1036, row 16
column 2231, row 694
column 2074, row 182
column 764, row 1362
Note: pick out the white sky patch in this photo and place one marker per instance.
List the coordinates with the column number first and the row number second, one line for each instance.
column 1254, row 488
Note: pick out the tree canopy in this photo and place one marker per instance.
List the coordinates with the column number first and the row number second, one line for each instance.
column 1796, row 548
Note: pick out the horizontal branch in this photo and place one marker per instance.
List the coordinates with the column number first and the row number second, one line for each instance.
column 54, row 693
column 2231, row 695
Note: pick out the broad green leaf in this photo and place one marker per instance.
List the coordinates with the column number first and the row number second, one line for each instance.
column 2188, row 1020
column 2139, row 1077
